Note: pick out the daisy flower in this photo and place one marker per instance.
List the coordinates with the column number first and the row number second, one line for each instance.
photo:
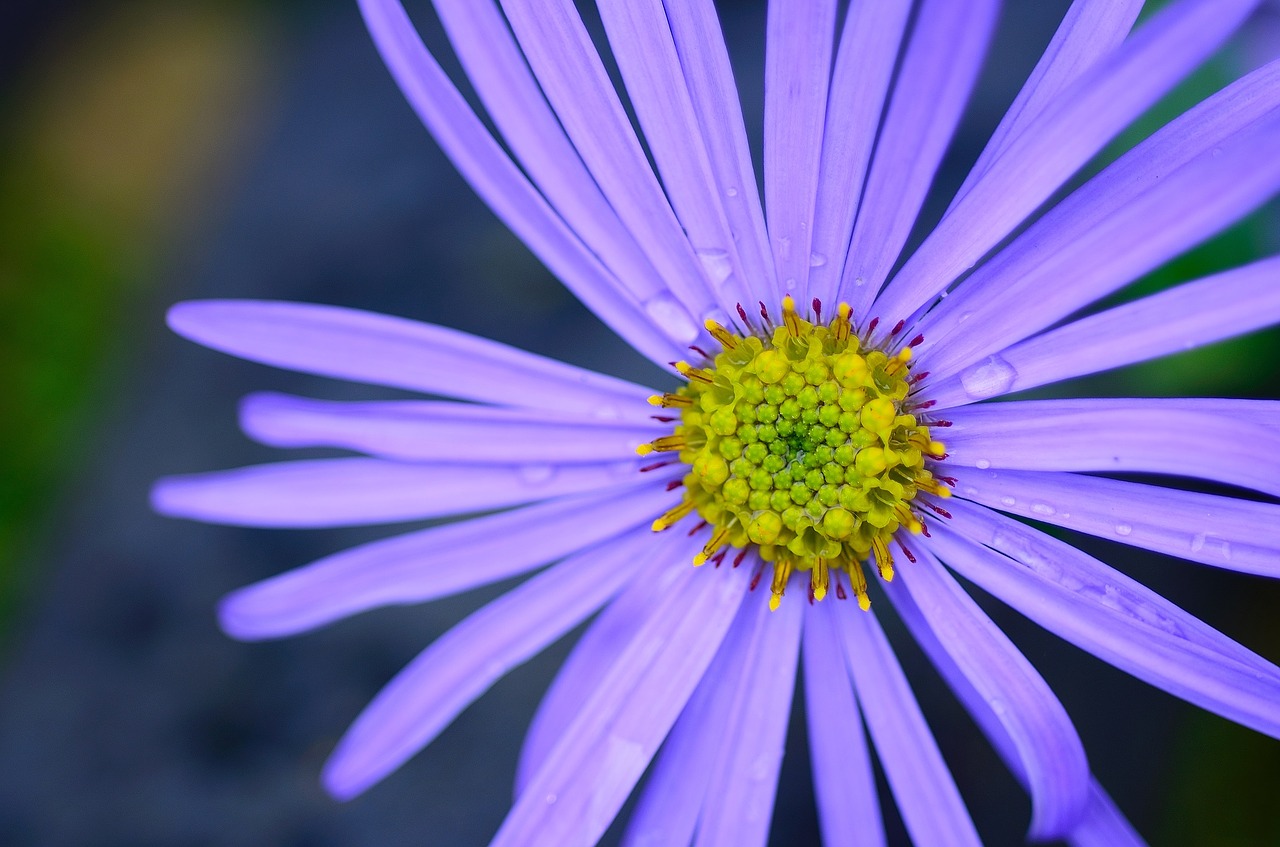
column 821, row 443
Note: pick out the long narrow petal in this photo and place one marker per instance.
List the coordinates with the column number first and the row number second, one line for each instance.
column 497, row 71
column 1067, row 135
column 797, row 71
column 869, row 47
column 922, row 786
column 574, row 79
column 429, row 431
column 745, row 777
column 1104, row 612
column 486, row 166
column 1104, row 825
column 650, row 65
column 942, row 616
column 345, row 492
column 843, row 782
column 605, row 750
column 1089, row 32
column 1145, row 436
column 594, row 654
column 666, row 814
column 462, row 664
column 1225, row 532
column 434, row 562
column 382, row 350
column 1199, row 174
column 1211, row 309
column 709, row 76
column 941, row 64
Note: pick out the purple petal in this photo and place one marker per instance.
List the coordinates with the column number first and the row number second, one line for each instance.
column 1146, row 436
column 1199, row 174
column 382, row 350
column 667, row 812
column 462, row 664
column 797, row 71
column 429, row 431
column 496, row 69
column 1002, row 687
column 848, row 807
column 1225, row 532
column 559, row 50
column 745, row 777
column 1104, row 612
column 497, row 180
column 705, row 63
column 1068, row 134
column 646, row 54
column 1104, row 825
column 345, row 492
column 434, row 562
column 596, row 652
column 869, row 47
column 922, row 786
column 945, row 52
column 1089, row 32
column 587, row 776
column 1197, row 313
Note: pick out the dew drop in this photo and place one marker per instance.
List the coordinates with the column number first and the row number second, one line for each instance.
column 858, row 282
column 606, row 412
column 551, row 799
column 716, row 263
column 1008, row 501
column 790, row 284
column 1211, row 544
column 672, row 318
column 982, row 464
column 1042, row 508
column 536, row 474
column 731, row 192
column 970, row 491
column 817, row 260
column 988, row 378
column 1124, row 529
column 784, row 247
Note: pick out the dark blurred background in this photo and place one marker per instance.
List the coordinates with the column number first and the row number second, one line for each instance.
column 153, row 151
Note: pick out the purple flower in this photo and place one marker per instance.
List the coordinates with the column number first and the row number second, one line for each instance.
column 827, row 426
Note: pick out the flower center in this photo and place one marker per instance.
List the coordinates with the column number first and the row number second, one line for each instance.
column 800, row 440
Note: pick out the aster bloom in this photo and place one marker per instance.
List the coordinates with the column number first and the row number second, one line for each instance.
column 824, row 446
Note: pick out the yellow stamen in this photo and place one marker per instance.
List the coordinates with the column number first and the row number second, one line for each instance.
column 719, row 333
column 789, row 316
column 673, row 516
column 689, row 372
column 898, row 362
column 781, row 573
column 718, row 539
column 665, row 444
column 819, row 578
column 668, row 401
column 884, row 559
column 859, row 583
column 908, row 519
column 841, row 326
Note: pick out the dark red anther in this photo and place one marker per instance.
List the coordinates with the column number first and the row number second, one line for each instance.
column 742, row 313
column 871, row 327
column 718, row 558
column 699, row 351
column 755, row 580
column 939, row 510
column 927, row 404
column 817, row 309
column 943, row 424
column 907, row 551
column 764, row 312
column 917, row 377
column 897, row 328
column 840, row 591
column 916, row 342
column 811, row 598
column 949, row 480
column 694, row 531
column 663, row 418
column 657, row 465
column 924, row 528
column 742, row 554
column 674, row 484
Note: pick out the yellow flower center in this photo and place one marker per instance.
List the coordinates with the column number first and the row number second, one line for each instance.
column 800, row 441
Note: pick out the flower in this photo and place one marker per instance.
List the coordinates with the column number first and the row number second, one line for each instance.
column 829, row 415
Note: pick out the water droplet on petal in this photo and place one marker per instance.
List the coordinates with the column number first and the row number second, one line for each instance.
column 1123, row 529
column 988, row 378
column 784, row 247
column 1008, row 501
column 716, row 263
column 982, row 464
column 536, row 474
column 672, row 318
column 1042, row 508
column 817, row 260
column 970, row 491
column 606, row 412
column 858, row 282
column 731, row 192
column 551, row 799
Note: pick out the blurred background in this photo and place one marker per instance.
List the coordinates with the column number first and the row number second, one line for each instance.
column 153, row 151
